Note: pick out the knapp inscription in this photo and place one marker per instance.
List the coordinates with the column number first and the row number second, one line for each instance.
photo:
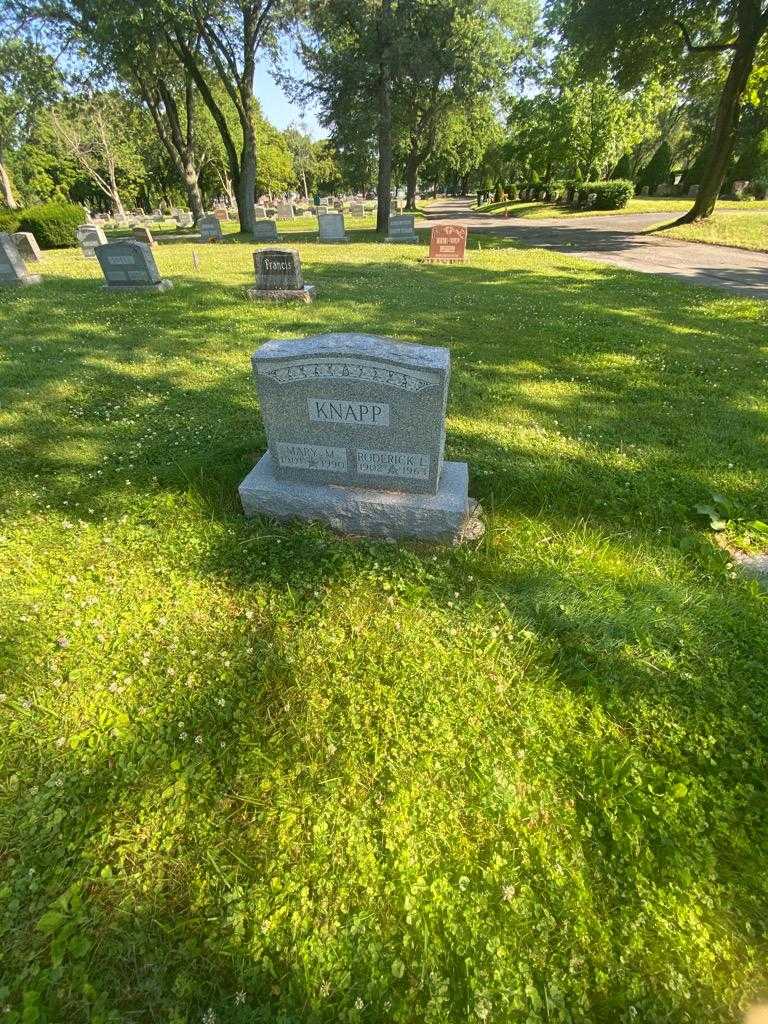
column 350, row 414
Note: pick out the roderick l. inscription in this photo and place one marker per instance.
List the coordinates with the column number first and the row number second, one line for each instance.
column 411, row 465
column 348, row 414
column 351, row 370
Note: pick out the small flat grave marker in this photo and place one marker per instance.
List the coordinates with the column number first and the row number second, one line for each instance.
column 265, row 231
column 89, row 236
column 13, row 269
column 279, row 277
column 331, row 226
column 210, row 229
column 447, row 243
column 401, row 228
column 129, row 265
column 27, row 245
column 356, row 433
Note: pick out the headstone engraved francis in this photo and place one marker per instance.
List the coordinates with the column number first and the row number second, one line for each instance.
column 210, row 229
column 13, row 269
column 129, row 265
column 284, row 211
column 356, row 433
column 447, row 243
column 265, row 231
column 331, row 226
column 89, row 236
column 144, row 235
column 27, row 245
column 279, row 277
column 401, row 228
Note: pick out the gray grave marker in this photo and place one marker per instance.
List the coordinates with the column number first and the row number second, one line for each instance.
column 265, row 231
column 356, row 433
column 144, row 235
column 209, row 228
column 260, row 212
column 285, row 211
column 89, row 236
column 129, row 265
column 184, row 219
column 27, row 245
column 13, row 269
column 356, row 210
column 279, row 277
column 331, row 227
column 401, row 228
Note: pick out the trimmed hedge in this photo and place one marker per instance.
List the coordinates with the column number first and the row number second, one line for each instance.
column 52, row 224
column 609, row 195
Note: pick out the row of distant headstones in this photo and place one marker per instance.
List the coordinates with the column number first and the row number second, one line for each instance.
column 130, row 263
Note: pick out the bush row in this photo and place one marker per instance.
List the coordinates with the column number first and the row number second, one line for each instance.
column 52, row 224
column 613, row 194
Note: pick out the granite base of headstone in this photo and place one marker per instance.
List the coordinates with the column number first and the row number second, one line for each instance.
column 279, row 277
column 356, row 432
column 401, row 229
column 13, row 269
column 27, row 245
column 129, row 266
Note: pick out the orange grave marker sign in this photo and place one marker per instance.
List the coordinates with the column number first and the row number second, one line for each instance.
column 447, row 244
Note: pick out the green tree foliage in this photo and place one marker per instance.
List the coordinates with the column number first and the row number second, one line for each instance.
column 28, row 80
column 636, row 38
column 623, row 168
column 658, row 169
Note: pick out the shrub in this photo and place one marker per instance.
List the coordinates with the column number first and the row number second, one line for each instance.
column 9, row 220
column 610, row 195
column 52, row 224
column 759, row 188
column 658, row 169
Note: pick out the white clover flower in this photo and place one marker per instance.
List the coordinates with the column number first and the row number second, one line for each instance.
column 508, row 893
column 239, row 998
column 198, row 740
column 182, row 735
column 359, row 1004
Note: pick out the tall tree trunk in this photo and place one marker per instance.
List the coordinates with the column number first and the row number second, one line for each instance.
column 411, row 175
column 117, row 202
column 729, row 109
column 5, row 185
column 245, row 188
column 192, row 186
column 384, row 123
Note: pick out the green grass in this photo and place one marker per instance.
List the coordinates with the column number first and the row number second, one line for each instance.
column 639, row 204
column 747, row 230
column 256, row 773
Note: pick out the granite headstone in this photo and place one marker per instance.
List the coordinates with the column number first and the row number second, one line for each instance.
column 356, row 432
column 129, row 265
column 142, row 234
column 279, row 277
column 27, row 245
column 209, row 228
column 260, row 212
column 447, row 243
column 89, row 236
column 401, row 228
column 13, row 269
column 265, row 231
column 331, row 227
column 284, row 211
column 356, row 210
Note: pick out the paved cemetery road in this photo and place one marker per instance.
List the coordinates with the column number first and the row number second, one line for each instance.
column 620, row 240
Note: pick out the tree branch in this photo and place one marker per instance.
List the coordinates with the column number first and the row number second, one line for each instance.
column 701, row 47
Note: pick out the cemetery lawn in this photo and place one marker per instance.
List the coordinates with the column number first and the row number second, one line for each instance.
column 256, row 773
column 747, row 230
column 640, row 204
